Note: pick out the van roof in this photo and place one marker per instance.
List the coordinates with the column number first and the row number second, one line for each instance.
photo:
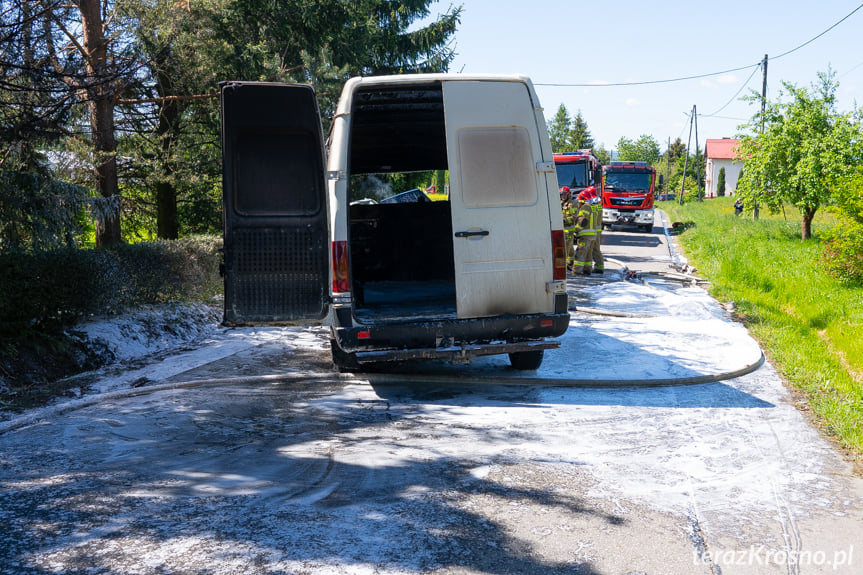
column 403, row 79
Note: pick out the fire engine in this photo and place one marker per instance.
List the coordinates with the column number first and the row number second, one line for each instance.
column 576, row 171
column 627, row 194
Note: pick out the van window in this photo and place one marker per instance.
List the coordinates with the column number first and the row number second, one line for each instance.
column 497, row 167
column 265, row 162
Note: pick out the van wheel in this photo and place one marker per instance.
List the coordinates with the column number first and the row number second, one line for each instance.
column 343, row 360
column 526, row 359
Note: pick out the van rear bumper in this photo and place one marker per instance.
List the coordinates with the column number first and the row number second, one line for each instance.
column 451, row 339
column 456, row 354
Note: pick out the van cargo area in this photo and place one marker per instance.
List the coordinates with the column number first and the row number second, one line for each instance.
column 401, row 262
column 401, row 253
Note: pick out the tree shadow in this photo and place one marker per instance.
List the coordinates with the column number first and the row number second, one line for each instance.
column 269, row 478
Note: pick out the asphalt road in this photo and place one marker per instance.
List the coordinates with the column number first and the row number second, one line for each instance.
column 286, row 467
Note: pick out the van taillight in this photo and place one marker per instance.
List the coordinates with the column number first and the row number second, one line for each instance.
column 341, row 278
column 558, row 246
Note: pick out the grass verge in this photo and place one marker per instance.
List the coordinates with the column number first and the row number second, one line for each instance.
column 810, row 325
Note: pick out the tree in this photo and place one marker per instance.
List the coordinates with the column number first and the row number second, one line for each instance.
column 720, row 182
column 644, row 149
column 676, row 150
column 569, row 134
column 580, row 137
column 55, row 59
column 189, row 46
column 806, row 151
column 602, row 154
column 145, row 75
column 559, row 130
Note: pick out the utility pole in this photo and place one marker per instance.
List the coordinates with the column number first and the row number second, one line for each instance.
column 697, row 161
column 763, row 108
column 686, row 158
column 667, row 162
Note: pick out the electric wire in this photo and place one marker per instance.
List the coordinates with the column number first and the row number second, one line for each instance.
column 697, row 76
column 819, row 35
column 734, row 97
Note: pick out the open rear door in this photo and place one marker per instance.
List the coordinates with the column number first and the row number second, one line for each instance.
column 275, row 206
column 502, row 244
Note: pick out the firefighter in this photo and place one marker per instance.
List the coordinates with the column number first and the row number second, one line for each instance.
column 585, row 235
column 568, row 210
column 596, row 252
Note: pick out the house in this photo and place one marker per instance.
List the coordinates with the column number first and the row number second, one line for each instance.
column 720, row 154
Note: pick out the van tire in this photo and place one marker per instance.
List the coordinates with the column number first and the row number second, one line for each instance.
column 526, row 360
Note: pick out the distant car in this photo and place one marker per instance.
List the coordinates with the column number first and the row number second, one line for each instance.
column 410, row 196
column 666, row 197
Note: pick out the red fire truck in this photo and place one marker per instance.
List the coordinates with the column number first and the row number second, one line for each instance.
column 576, row 170
column 627, row 194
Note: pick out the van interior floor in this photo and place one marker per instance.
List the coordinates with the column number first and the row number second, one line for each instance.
column 395, row 301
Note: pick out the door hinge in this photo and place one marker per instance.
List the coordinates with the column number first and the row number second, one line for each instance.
column 542, row 167
column 336, row 175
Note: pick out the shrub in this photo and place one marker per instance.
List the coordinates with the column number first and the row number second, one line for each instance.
column 48, row 290
column 842, row 255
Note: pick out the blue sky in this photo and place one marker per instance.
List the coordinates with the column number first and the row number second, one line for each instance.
column 576, row 42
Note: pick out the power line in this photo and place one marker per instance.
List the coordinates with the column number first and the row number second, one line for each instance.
column 819, row 35
column 697, row 76
column 681, row 79
column 755, row 69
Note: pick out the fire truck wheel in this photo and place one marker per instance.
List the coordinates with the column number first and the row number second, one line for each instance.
column 526, row 359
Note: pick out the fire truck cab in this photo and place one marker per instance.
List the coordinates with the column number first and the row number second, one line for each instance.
column 627, row 194
column 577, row 171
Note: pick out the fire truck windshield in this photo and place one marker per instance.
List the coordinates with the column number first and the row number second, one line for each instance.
column 572, row 175
column 627, row 182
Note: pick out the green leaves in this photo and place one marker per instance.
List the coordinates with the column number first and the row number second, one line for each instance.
column 644, row 149
column 805, row 153
column 569, row 134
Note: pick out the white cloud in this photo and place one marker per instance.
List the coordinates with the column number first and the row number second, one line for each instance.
column 728, row 79
column 632, row 102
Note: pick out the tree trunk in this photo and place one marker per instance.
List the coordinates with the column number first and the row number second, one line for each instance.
column 167, row 227
column 168, row 130
column 100, row 92
column 806, row 227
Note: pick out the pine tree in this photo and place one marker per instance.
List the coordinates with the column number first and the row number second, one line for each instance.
column 580, row 137
column 559, row 130
column 720, row 183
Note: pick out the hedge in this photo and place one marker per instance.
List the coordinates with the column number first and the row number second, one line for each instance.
column 54, row 289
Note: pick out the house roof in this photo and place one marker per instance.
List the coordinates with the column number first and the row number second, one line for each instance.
column 722, row 149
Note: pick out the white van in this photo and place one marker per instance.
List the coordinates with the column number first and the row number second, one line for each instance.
column 481, row 273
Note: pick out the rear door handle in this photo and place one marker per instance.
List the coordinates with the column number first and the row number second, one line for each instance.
column 471, row 234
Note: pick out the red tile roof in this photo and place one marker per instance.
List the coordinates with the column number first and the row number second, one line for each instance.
column 721, row 149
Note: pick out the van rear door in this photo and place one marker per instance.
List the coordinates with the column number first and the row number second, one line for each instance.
column 275, row 205
column 502, row 245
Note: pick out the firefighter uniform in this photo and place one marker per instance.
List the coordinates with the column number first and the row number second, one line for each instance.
column 585, row 235
column 596, row 252
column 568, row 209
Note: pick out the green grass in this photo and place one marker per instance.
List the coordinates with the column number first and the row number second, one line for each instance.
column 809, row 324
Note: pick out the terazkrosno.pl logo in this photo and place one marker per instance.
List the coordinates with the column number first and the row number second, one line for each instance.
column 761, row 555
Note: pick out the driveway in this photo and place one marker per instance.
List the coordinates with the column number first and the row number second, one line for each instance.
column 654, row 441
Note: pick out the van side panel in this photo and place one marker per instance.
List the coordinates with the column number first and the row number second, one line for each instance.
column 501, row 216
